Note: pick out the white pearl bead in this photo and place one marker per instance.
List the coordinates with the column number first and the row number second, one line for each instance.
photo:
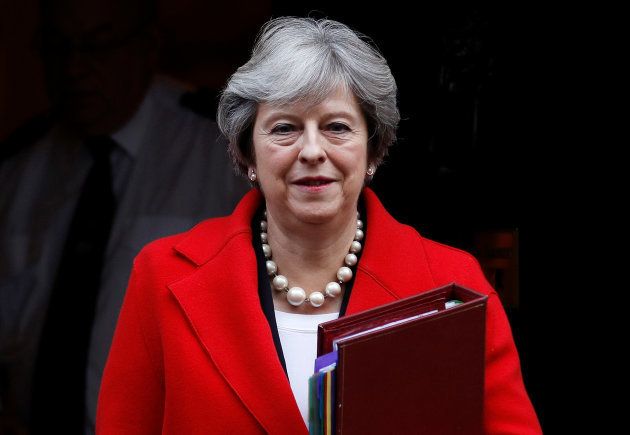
column 263, row 237
column 266, row 250
column 355, row 247
column 271, row 267
column 296, row 296
column 359, row 224
column 263, row 225
column 344, row 274
column 316, row 299
column 280, row 282
column 358, row 235
column 333, row 289
column 351, row 259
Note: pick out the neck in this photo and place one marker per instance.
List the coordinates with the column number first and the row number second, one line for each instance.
column 309, row 255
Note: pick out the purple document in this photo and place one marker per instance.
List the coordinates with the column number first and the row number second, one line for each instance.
column 325, row 361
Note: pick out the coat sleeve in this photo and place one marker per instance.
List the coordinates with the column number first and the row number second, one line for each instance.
column 508, row 409
column 131, row 398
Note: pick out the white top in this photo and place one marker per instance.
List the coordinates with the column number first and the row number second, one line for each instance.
column 298, row 336
column 169, row 171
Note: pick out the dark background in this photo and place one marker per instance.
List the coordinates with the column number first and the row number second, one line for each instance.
column 476, row 146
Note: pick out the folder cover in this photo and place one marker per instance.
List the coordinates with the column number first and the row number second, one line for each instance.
column 422, row 375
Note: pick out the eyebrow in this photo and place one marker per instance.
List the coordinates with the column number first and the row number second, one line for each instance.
column 340, row 114
column 280, row 113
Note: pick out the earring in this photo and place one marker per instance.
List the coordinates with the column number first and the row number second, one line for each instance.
column 371, row 170
column 252, row 175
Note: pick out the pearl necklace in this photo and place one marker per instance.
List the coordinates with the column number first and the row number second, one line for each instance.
column 296, row 296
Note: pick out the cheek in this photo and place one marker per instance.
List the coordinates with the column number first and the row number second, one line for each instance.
column 274, row 162
column 354, row 163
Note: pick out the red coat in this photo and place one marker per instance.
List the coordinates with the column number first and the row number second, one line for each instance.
column 193, row 353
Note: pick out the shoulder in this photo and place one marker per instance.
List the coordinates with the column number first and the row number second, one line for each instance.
column 161, row 263
column 446, row 263
column 195, row 247
column 450, row 264
column 398, row 248
column 445, row 256
column 394, row 236
column 168, row 250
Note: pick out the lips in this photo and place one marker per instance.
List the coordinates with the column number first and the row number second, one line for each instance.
column 314, row 185
column 313, row 181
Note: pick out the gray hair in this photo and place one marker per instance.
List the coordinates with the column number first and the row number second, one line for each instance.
column 304, row 59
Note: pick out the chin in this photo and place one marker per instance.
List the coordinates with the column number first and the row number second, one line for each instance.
column 316, row 215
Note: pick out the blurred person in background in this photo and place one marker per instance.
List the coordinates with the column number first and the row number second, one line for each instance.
column 123, row 162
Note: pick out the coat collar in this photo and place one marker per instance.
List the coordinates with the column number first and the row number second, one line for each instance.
column 201, row 243
column 231, row 326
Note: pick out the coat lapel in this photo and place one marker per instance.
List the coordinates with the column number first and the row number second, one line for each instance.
column 230, row 325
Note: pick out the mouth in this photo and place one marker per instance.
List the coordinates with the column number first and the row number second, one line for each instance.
column 313, row 183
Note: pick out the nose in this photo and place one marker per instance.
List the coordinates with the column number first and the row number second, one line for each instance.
column 312, row 151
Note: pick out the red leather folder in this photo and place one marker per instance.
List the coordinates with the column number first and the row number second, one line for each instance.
column 423, row 376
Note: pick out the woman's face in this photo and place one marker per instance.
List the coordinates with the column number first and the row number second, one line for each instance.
column 311, row 160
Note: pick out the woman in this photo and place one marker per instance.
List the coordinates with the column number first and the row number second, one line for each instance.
column 215, row 334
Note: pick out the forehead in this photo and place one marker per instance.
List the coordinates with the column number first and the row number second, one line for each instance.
column 339, row 100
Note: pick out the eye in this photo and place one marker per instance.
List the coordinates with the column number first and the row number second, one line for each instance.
column 282, row 129
column 338, row 127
